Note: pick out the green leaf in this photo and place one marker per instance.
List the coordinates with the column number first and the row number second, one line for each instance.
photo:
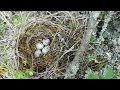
column 101, row 77
column 118, row 77
column 100, row 66
column 62, row 45
column 104, row 13
column 93, row 39
column 92, row 76
column 23, row 74
column 109, row 73
column 19, row 75
column 24, row 19
column 92, row 58
column 17, row 19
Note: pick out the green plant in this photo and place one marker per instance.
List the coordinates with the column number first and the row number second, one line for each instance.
column 92, row 75
column 118, row 77
column 18, row 19
column 92, row 58
column 62, row 45
column 8, row 71
column 93, row 39
column 23, row 74
column 108, row 73
column 100, row 66
column 104, row 13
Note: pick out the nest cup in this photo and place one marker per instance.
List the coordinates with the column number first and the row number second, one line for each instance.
column 27, row 46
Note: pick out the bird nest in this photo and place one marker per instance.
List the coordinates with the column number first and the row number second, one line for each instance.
column 27, row 41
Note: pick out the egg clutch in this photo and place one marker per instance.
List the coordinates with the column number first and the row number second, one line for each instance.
column 42, row 48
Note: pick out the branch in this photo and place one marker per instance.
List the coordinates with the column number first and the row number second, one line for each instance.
column 74, row 65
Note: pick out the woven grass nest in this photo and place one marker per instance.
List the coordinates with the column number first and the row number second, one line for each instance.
column 32, row 35
column 35, row 33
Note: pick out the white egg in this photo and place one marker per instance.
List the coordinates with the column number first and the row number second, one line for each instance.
column 39, row 46
column 37, row 53
column 46, row 41
column 45, row 49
